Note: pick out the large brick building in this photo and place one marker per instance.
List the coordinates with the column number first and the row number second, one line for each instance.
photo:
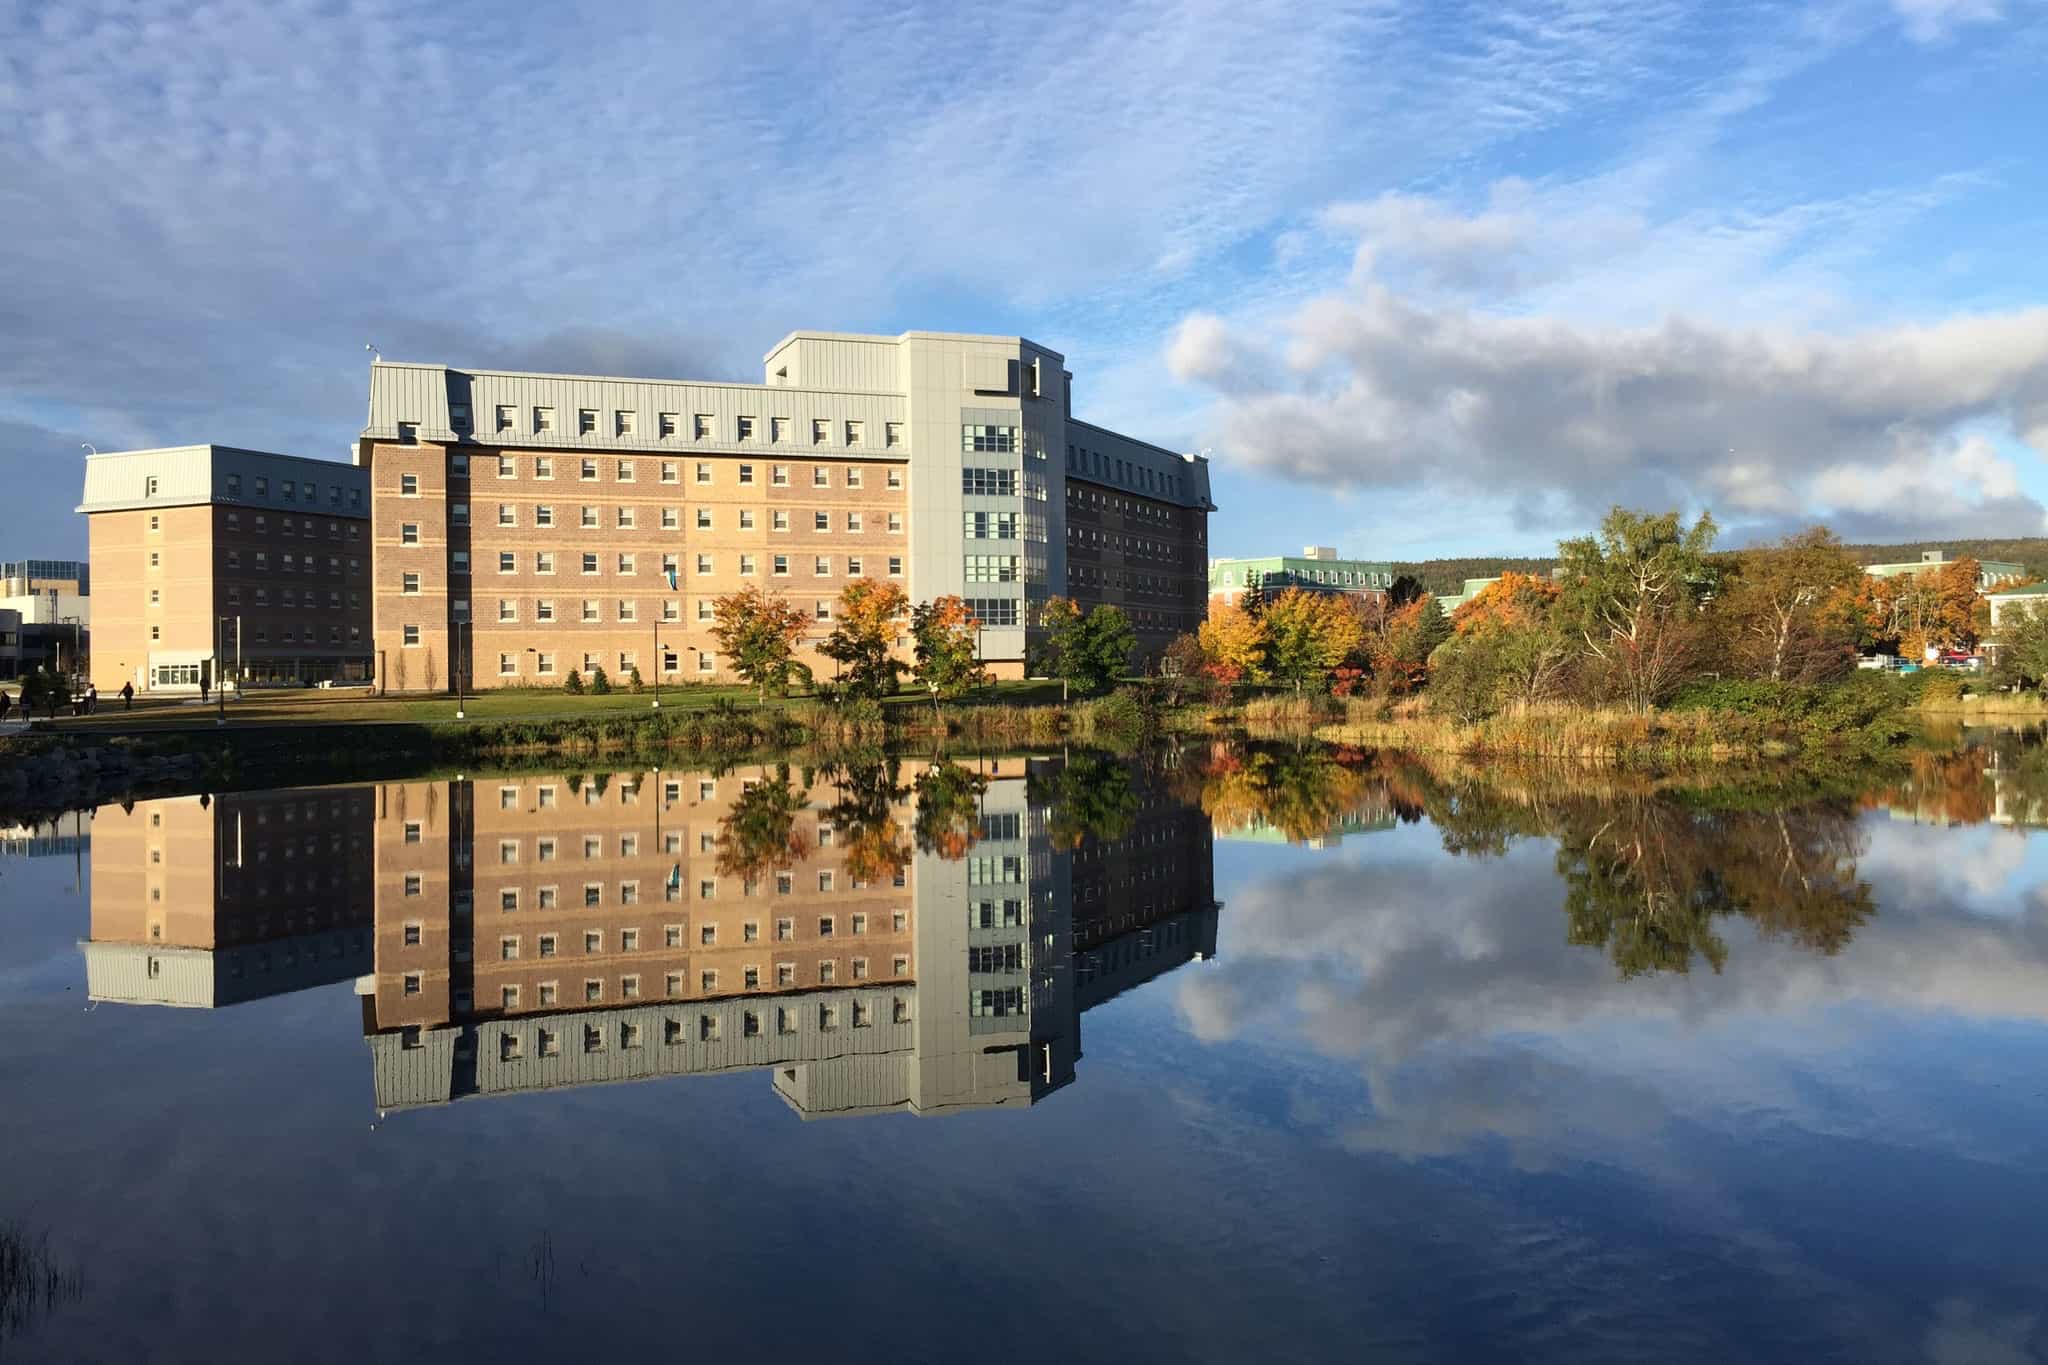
column 530, row 524
column 211, row 562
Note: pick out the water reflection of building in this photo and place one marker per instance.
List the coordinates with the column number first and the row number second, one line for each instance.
column 1373, row 821
column 67, row 835
column 207, row 901
column 535, row 933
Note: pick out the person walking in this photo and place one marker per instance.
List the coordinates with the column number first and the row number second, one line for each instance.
column 92, row 700
column 5, row 702
column 127, row 696
column 202, row 689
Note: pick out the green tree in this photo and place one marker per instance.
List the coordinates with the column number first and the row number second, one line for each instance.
column 1405, row 588
column 759, row 834
column 2022, row 635
column 948, row 820
column 758, row 632
column 862, row 639
column 573, row 684
column 635, row 683
column 1631, row 595
column 1090, row 796
column 944, row 632
column 600, row 682
column 1089, row 651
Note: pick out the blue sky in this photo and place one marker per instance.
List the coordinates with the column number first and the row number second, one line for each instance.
column 1424, row 279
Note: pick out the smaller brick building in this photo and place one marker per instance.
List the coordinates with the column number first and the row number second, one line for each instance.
column 212, row 562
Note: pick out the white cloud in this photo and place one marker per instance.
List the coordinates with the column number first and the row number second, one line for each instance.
column 1386, row 390
column 1931, row 21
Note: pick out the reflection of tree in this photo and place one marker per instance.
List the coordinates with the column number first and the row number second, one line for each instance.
column 1647, row 867
column 864, row 817
column 1951, row 787
column 32, row 1283
column 759, row 833
column 948, row 809
column 1645, row 878
column 1089, row 796
column 1635, row 888
column 1304, row 793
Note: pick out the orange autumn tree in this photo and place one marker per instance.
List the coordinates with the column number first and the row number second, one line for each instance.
column 1513, row 600
column 862, row 639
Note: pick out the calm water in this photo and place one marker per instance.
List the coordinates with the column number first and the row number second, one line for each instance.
column 1217, row 1056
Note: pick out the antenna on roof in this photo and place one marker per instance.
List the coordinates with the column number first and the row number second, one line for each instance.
column 88, row 447
column 373, row 350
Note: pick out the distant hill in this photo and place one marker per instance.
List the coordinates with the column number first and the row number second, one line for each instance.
column 1447, row 576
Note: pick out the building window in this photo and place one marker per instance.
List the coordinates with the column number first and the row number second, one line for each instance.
column 988, row 438
column 408, row 485
column 665, row 426
column 408, row 435
column 504, row 417
column 988, row 483
column 623, row 422
column 892, row 435
column 895, row 566
column 778, row 429
column 409, row 634
column 543, row 419
column 743, row 427
column 821, row 431
column 409, row 584
column 586, row 470
column 854, row 433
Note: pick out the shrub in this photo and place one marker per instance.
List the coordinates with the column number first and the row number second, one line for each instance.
column 634, row 683
column 600, row 685
column 573, row 684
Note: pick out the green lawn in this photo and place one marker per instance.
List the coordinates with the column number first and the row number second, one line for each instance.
column 314, row 707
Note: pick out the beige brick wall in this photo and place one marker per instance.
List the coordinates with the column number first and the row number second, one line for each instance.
column 526, row 649
column 638, row 827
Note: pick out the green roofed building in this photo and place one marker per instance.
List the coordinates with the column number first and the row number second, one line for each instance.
column 1990, row 572
column 2013, row 601
column 1316, row 569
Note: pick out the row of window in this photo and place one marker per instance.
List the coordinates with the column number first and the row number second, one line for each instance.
column 286, row 635
column 1129, row 473
column 590, row 470
column 590, row 517
column 550, row 944
column 625, row 422
column 627, row 562
column 548, row 1042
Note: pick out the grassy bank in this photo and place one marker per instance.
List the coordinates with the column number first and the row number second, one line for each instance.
column 279, row 739
column 1714, row 722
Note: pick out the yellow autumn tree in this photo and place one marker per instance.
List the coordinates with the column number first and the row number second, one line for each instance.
column 1234, row 645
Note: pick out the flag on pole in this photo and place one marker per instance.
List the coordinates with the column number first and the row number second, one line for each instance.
column 671, row 579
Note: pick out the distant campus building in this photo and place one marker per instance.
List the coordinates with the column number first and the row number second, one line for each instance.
column 1316, row 569
column 1990, row 572
column 527, row 525
column 45, row 615
column 213, row 561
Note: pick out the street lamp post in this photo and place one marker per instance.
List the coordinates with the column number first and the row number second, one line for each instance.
column 457, row 667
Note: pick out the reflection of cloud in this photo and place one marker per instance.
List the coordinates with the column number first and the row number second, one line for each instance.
column 1928, row 864
column 1964, row 1334
column 1414, row 962
column 1530, row 1101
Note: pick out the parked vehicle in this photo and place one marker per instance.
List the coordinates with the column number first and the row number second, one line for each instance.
column 1881, row 663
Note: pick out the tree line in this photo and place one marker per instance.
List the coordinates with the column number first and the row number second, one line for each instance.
column 1631, row 613
column 1446, row 577
column 759, row 632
